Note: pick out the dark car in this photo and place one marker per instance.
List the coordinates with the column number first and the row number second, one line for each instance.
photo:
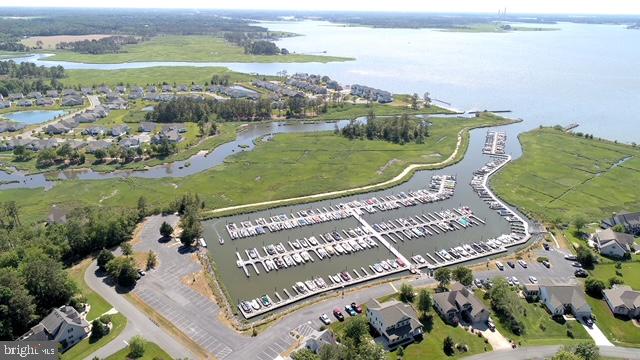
column 581, row 273
column 338, row 314
column 545, row 246
column 587, row 320
column 357, row 308
column 511, row 264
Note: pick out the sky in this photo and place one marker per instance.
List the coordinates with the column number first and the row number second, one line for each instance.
column 621, row 7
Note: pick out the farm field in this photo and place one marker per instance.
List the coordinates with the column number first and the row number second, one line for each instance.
column 50, row 42
column 563, row 176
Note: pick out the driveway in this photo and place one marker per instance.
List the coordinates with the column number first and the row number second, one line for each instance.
column 597, row 335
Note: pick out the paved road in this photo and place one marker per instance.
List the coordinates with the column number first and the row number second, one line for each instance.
column 545, row 352
column 138, row 323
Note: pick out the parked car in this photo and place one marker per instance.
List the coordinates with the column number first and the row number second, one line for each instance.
column 491, row 325
column 499, row 265
column 141, row 272
column 522, row 263
column 338, row 314
column 533, row 279
column 509, row 281
column 571, row 257
column 587, row 320
column 515, row 281
column 511, row 264
column 546, row 264
column 545, row 246
column 478, row 283
column 576, row 264
column 356, row 307
column 351, row 311
column 325, row 319
column 581, row 273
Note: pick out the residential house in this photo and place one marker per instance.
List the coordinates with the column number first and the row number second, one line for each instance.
column 86, row 91
column 614, row 244
column 119, row 130
column 167, row 88
column 197, row 87
column 396, row 322
column 152, row 89
column 72, row 101
column 183, row 88
column 460, row 304
column 41, row 144
column 565, row 299
column 56, row 129
column 169, row 134
column 16, row 96
column 630, row 222
column 104, row 89
column 63, row 325
column 372, row 94
column 135, row 95
column 70, row 123
column 130, row 143
column 57, row 216
column 623, row 301
column 85, row 118
column 100, row 111
column 317, row 339
column 147, row 126
column 94, row 131
column 93, row 146
column 121, row 89
column 25, row 103
column 71, row 92
column 117, row 104
column 52, row 93
column 43, row 101
column 5, row 104
column 34, row 95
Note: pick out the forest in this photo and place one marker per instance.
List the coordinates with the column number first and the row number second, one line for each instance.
column 108, row 45
column 398, row 130
column 26, row 77
column 184, row 109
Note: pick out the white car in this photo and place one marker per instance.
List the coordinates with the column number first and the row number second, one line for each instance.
column 325, row 319
column 533, row 279
column 515, row 281
column 522, row 263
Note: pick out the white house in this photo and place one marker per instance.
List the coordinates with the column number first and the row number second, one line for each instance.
column 565, row 299
column 63, row 325
column 613, row 244
column 623, row 300
column 396, row 322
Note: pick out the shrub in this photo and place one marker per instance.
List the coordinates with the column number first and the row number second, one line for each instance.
column 136, row 347
column 448, row 346
column 542, row 259
column 570, row 333
column 105, row 319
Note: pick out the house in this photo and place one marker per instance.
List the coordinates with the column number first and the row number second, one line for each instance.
column 104, row 89
column 317, row 339
column 623, row 301
column 152, row 89
column 630, row 221
column 93, row 146
column 130, row 143
column 531, row 291
column 183, row 88
column 121, row 89
column 147, row 126
column 16, row 96
column 25, row 103
column 57, row 216
column 63, row 325
column 41, row 144
column 135, row 95
column 169, row 134
column 56, row 129
column 460, row 304
column 396, row 322
column 565, row 299
column 5, row 104
column 100, row 112
column 72, row 101
column 167, row 88
column 119, row 130
column 70, row 92
column 34, row 95
column 85, row 118
column 44, row 101
column 117, row 104
column 86, row 91
column 69, row 123
column 94, row 131
column 197, row 88
column 614, row 244
column 52, row 93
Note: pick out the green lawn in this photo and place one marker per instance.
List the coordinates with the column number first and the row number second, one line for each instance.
column 630, row 271
column 195, row 48
column 352, row 111
column 536, row 318
column 620, row 332
column 98, row 305
column 85, row 348
column 290, row 165
column 151, row 352
column 563, row 176
column 151, row 75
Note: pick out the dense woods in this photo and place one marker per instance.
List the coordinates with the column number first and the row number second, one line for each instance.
column 254, row 43
column 398, row 130
column 184, row 109
column 27, row 77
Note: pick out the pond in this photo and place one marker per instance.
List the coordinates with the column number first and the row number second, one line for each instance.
column 33, row 116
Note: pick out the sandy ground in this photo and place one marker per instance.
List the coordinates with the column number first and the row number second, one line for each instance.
column 50, row 42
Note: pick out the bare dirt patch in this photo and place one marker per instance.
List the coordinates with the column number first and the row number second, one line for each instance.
column 387, row 165
column 50, row 42
column 198, row 282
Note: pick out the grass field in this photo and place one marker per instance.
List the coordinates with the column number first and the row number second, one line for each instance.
column 195, row 48
column 540, row 328
column 151, row 352
column 620, row 332
column 630, row 271
column 352, row 111
column 151, row 75
column 563, row 176
column 98, row 305
column 288, row 166
column 85, row 347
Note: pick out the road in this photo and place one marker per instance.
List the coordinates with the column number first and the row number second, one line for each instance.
column 137, row 322
column 545, row 352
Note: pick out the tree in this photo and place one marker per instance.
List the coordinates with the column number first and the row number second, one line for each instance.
column 594, row 287
column 619, row 228
column 448, row 346
column 136, row 347
column 425, row 301
column 356, row 329
column 406, row 293
column 400, row 352
column 585, row 350
column 191, row 228
column 17, row 309
column 152, row 260
column 122, row 270
column 615, row 281
column 166, row 230
column 142, row 207
column 127, row 249
column 98, row 330
column 304, row 354
column 46, row 281
column 443, row 277
column 585, row 256
column 579, row 223
column 463, row 275
column 104, row 256
column 565, row 355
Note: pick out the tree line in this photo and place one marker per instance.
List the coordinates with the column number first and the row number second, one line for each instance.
column 108, row 45
column 26, row 77
column 398, row 130
column 186, row 109
column 254, row 43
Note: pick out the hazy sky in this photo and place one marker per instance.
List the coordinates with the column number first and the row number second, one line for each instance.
column 513, row 6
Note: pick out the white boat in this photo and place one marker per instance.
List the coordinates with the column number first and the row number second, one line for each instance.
column 297, row 258
column 305, row 256
column 255, row 304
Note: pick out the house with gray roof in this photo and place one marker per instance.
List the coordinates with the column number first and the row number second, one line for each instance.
column 87, row 91
column 460, row 304
column 52, row 93
column 630, row 222
column 167, row 88
column 396, row 322
column 5, row 104
column 86, row 118
column 94, row 131
column 565, row 299
column 121, row 89
column 70, row 92
column 72, row 101
column 25, row 103
column 16, row 96
column 614, row 244
column 130, row 143
column 63, row 325
column 43, row 101
column 56, row 129
column 93, row 146
column 119, row 130
column 147, row 126
column 34, row 95
column 623, row 301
